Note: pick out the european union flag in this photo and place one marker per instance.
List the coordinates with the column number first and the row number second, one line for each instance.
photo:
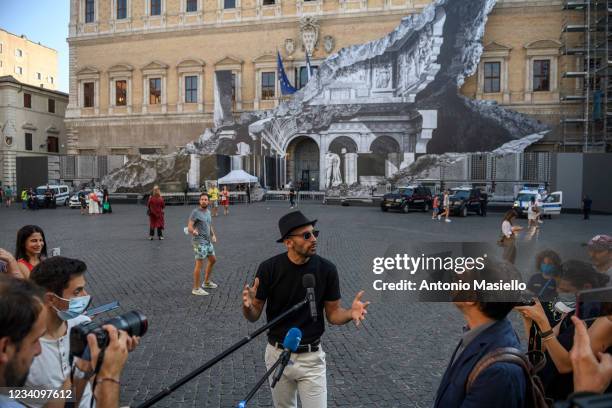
column 286, row 87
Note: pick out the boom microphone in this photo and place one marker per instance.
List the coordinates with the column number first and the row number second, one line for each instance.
column 290, row 345
column 308, row 281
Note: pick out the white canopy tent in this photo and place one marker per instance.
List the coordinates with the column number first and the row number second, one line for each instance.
column 237, row 177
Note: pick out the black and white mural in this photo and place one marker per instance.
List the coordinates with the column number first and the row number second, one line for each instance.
column 371, row 110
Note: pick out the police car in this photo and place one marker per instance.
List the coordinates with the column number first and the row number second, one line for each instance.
column 61, row 193
column 550, row 204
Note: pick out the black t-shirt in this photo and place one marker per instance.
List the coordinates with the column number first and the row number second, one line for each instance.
column 280, row 285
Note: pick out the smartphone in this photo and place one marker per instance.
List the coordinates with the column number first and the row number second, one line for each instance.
column 102, row 309
column 594, row 303
column 55, row 252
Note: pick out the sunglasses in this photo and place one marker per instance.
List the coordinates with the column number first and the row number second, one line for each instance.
column 306, row 235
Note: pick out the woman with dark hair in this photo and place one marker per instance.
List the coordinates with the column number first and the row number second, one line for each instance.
column 30, row 249
column 155, row 211
column 508, row 236
column 573, row 276
column 548, row 266
column 106, row 207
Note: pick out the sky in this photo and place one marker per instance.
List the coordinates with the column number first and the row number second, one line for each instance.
column 44, row 21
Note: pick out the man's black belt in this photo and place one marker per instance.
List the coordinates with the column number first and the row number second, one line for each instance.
column 302, row 348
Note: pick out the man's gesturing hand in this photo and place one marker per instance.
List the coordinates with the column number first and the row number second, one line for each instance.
column 590, row 374
column 358, row 309
column 248, row 294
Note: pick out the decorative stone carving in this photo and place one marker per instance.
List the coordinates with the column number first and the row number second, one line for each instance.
column 382, row 76
column 333, row 177
column 309, row 30
column 328, row 43
column 289, row 46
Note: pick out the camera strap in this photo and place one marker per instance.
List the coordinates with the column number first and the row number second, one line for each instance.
column 95, row 376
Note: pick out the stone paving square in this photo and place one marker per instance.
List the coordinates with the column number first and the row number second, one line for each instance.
column 395, row 359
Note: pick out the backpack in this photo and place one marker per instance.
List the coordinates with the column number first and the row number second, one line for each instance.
column 535, row 396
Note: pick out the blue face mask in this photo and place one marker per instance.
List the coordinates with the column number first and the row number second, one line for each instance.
column 547, row 269
column 76, row 307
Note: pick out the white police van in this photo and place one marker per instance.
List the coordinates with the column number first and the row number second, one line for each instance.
column 61, row 191
column 550, row 204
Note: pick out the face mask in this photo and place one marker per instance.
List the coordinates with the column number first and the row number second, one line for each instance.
column 547, row 269
column 568, row 299
column 76, row 307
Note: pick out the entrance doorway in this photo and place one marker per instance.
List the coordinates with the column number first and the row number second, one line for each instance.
column 303, row 163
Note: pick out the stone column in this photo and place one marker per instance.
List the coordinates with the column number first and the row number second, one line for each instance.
column 236, row 162
column 350, row 168
column 193, row 176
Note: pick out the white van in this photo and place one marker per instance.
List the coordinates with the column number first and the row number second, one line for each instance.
column 61, row 191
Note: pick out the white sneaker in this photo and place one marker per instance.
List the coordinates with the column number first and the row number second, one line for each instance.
column 447, row 220
column 540, row 222
column 199, row 292
column 209, row 285
column 439, row 217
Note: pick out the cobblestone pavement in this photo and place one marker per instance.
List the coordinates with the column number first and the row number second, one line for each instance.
column 395, row 359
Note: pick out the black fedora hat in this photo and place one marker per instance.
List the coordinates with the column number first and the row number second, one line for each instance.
column 291, row 221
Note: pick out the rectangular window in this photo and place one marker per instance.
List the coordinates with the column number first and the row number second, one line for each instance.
column 51, row 79
column 233, row 89
column 19, row 70
column 268, row 82
column 301, row 74
column 88, row 95
column 51, row 105
column 28, row 141
column 492, row 77
column 27, row 100
column 269, row 2
column 192, row 5
column 52, row 144
column 156, row 7
column 38, row 76
column 541, row 75
column 154, row 91
column 191, row 89
column 121, row 9
column 90, row 11
column 18, row 53
column 121, row 92
column 229, row 4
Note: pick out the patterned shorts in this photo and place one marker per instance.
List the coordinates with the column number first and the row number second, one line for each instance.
column 202, row 251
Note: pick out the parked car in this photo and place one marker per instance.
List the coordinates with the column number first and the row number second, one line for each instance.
column 61, row 194
column 74, row 199
column 407, row 198
column 465, row 200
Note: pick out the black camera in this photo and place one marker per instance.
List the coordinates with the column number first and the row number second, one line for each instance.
column 134, row 323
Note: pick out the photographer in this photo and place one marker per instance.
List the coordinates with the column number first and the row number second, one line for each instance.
column 65, row 301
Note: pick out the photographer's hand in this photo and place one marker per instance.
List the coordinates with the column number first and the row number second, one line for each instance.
column 12, row 267
column 591, row 373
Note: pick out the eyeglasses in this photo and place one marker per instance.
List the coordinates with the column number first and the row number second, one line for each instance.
column 306, row 235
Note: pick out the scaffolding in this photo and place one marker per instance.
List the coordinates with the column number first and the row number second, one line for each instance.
column 586, row 117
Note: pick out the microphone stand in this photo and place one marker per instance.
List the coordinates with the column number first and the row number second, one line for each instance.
column 243, row 403
column 173, row 387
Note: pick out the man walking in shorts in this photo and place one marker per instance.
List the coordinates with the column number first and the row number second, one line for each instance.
column 200, row 227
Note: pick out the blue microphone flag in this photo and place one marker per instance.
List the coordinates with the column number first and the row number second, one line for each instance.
column 292, row 339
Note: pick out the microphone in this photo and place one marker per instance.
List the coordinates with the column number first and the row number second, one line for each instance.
column 308, row 281
column 290, row 345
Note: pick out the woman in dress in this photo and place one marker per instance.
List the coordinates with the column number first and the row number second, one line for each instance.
column 30, row 248
column 94, row 203
column 155, row 210
column 225, row 200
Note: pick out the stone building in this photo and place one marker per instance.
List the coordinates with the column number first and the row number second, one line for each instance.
column 28, row 62
column 32, row 132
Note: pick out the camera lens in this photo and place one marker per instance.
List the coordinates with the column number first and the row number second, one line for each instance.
column 134, row 323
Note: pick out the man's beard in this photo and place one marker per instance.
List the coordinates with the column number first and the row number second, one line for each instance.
column 12, row 377
column 307, row 252
column 203, row 206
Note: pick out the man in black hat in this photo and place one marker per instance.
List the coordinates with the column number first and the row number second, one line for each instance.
column 279, row 283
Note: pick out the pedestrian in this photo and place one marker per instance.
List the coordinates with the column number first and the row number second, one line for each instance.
column 1, row 194
column 47, row 196
column 94, row 203
column 445, row 206
column 225, row 200
column 484, row 203
column 532, row 213
column 278, row 285
column 586, row 206
column 248, row 193
column 82, row 202
column 155, row 211
column 436, row 207
column 508, row 236
column 200, row 227
column 292, row 197
column 600, row 252
column 24, row 199
column 213, row 195
column 30, row 249
column 8, row 195
column 543, row 283
column 106, row 206
column 32, row 200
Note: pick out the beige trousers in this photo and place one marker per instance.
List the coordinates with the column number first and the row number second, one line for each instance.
column 305, row 374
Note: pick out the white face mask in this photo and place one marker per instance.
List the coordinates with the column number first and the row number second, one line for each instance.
column 76, row 307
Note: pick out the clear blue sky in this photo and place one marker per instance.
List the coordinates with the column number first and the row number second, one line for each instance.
column 44, row 21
